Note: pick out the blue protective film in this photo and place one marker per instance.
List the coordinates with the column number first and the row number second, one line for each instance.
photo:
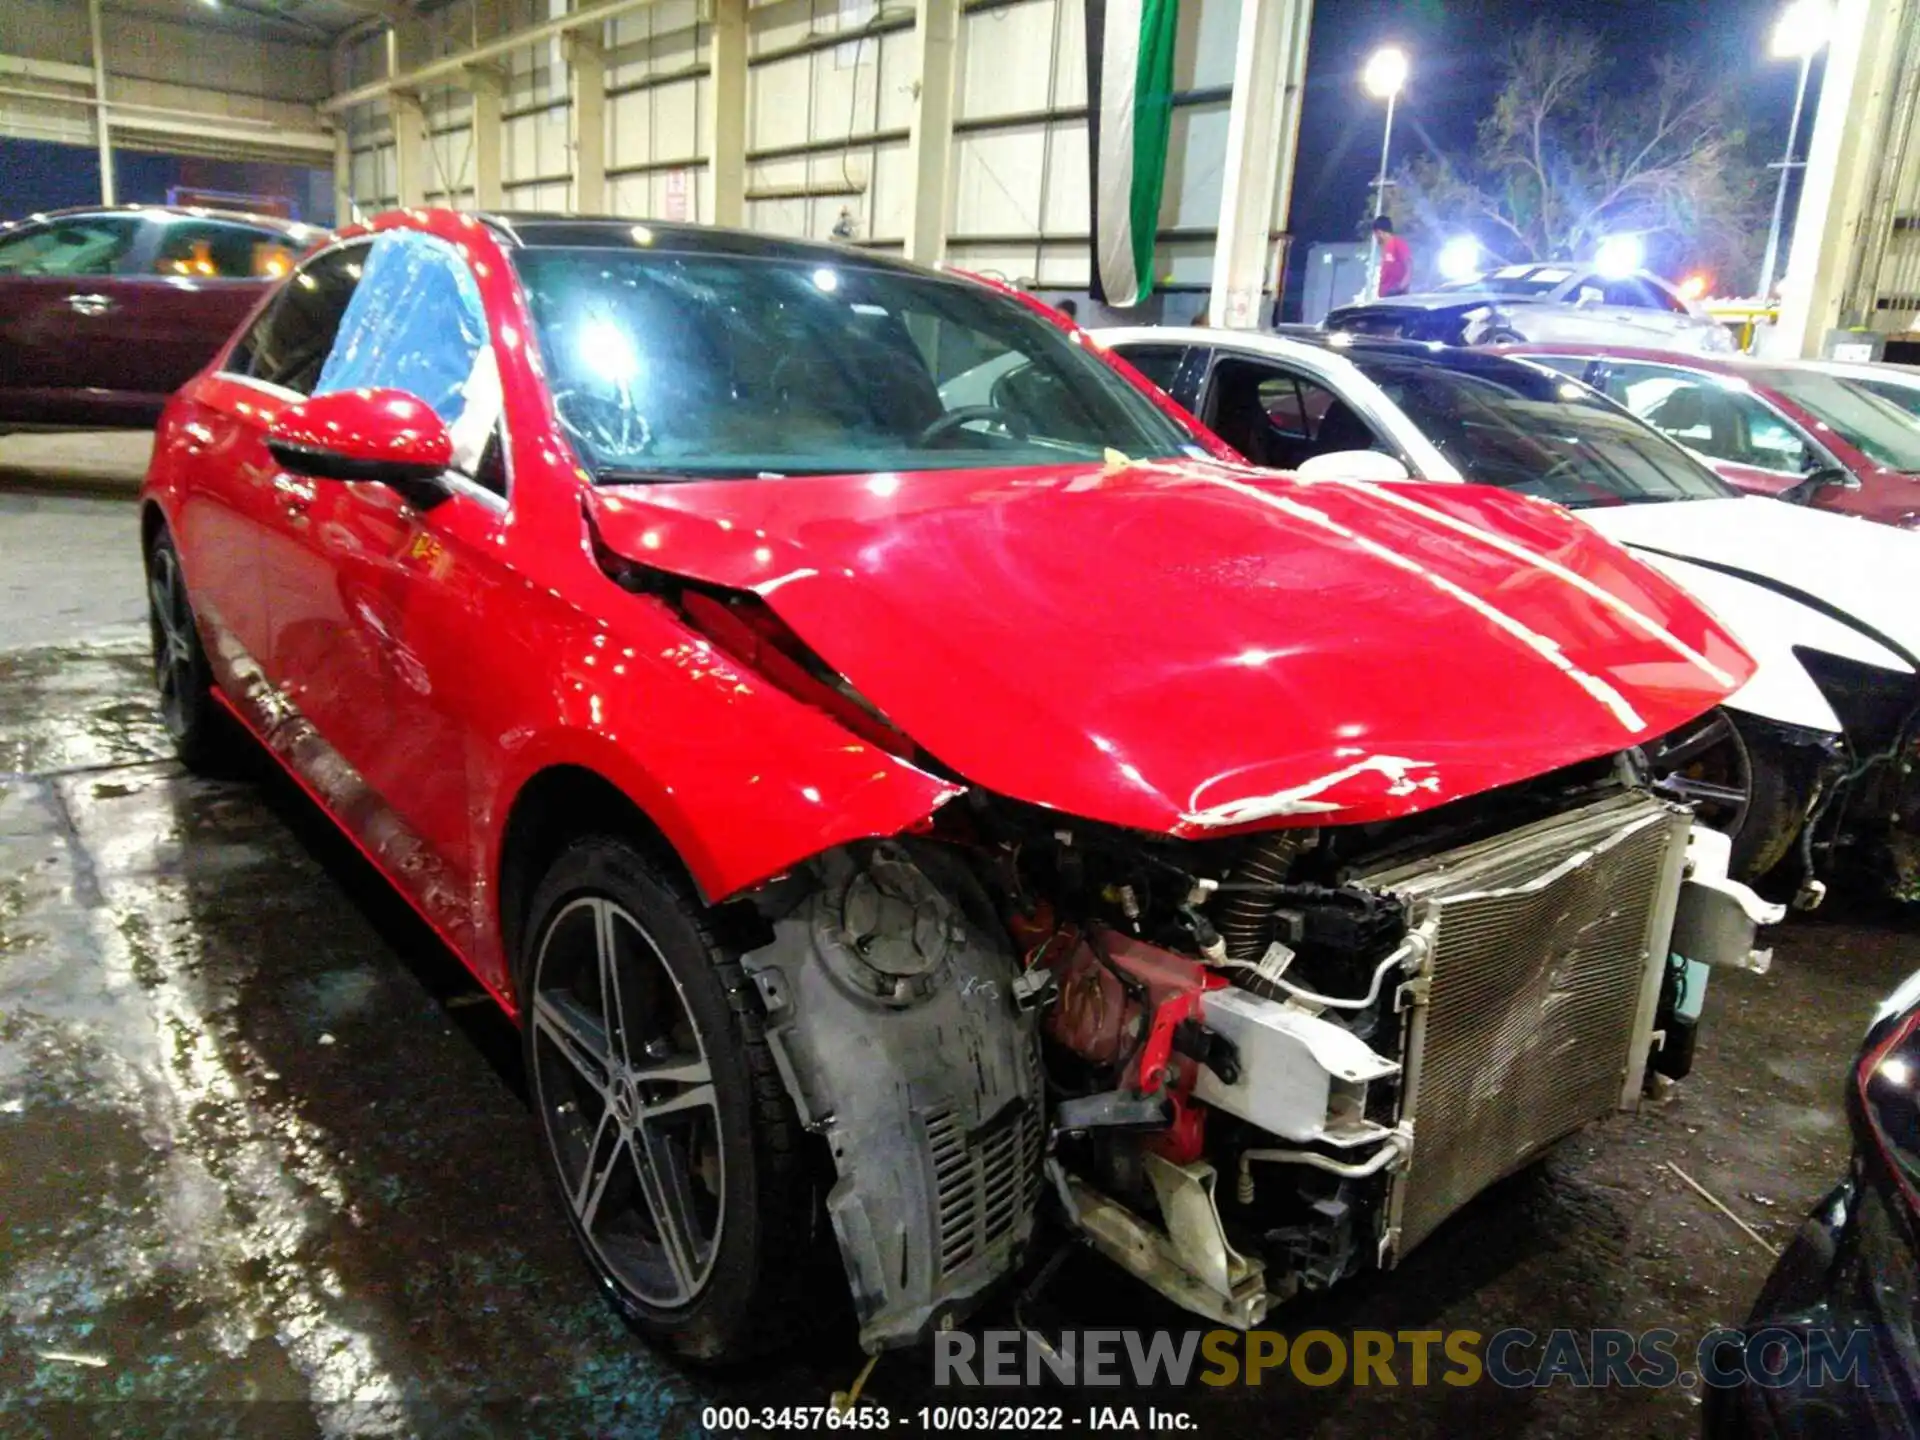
column 415, row 323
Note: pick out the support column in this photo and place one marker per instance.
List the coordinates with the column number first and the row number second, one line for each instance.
column 1263, row 131
column 727, row 112
column 488, row 86
column 409, row 147
column 587, row 64
column 1842, row 159
column 102, row 128
column 343, row 208
column 936, row 41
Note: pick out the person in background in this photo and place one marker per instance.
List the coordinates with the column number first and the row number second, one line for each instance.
column 1395, row 262
column 1071, row 309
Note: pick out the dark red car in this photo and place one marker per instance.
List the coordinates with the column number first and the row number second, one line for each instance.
column 105, row 313
column 1774, row 428
column 802, row 686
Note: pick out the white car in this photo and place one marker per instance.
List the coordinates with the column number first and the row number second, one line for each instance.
column 1557, row 304
column 1812, row 750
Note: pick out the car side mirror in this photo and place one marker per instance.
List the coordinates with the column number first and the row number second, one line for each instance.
column 1827, row 476
column 1369, row 466
column 385, row 436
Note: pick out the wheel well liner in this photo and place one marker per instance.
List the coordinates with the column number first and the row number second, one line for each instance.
column 555, row 807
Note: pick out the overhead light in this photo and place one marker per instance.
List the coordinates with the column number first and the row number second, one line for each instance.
column 1694, row 286
column 1460, row 258
column 1386, row 72
column 1619, row 256
column 825, row 279
column 1803, row 29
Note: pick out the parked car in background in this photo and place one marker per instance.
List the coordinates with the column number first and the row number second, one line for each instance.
column 1813, row 748
column 796, row 750
column 1839, row 1308
column 1779, row 428
column 1896, row 384
column 105, row 313
column 1572, row 304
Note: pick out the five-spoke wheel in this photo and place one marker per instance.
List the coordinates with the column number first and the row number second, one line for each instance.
column 668, row 1133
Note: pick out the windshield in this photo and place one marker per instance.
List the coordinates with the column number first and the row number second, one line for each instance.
column 670, row 366
column 1877, row 428
column 1515, row 280
column 1539, row 434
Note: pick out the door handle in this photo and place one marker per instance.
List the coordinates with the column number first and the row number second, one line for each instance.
column 90, row 304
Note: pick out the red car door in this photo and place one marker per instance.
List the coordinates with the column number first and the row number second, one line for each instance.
column 239, row 509
column 59, row 364
column 370, row 596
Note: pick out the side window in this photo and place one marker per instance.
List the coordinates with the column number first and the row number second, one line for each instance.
column 1286, row 409
column 1277, row 418
column 1630, row 293
column 71, row 245
column 1706, row 416
column 218, row 249
column 288, row 344
column 1159, row 363
column 416, row 323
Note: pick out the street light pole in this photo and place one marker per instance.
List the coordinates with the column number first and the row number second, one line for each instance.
column 1800, row 33
column 1386, row 72
column 1386, row 145
column 1780, row 191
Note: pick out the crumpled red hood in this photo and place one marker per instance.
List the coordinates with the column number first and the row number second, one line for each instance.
column 1190, row 648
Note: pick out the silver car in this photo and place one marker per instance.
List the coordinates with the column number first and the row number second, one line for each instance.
column 1555, row 303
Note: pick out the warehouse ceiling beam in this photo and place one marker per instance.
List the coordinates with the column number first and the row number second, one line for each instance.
column 447, row 69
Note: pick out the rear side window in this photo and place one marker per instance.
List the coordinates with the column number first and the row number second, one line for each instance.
column 72, row 245
column 289, row 343
column 217, row 249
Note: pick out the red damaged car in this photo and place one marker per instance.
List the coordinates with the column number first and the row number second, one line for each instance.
column 896, row 772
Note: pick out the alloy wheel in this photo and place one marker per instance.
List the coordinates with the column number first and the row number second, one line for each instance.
column 1707, row 765
column 627, row 1102
column 171, row 621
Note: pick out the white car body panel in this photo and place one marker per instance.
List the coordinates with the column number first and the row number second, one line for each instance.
column 1866, row 572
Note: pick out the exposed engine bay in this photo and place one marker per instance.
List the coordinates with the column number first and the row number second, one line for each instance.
column 1242, row 1067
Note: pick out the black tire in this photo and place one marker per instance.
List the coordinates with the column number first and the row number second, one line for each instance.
column 686, row 1049
column 1740, row 780
column 201, row 736
column 1776, row 809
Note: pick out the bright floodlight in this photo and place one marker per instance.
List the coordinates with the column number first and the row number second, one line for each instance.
column 1619, row 256
column 1803, row 29
column 1460, row 258
column 1386, row 72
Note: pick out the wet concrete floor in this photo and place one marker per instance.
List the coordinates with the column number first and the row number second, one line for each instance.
column 266, row 1167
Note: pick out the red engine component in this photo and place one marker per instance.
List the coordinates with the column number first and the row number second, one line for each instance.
column 1130, row 1022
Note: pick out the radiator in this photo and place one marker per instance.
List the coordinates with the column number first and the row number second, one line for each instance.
column 1548, row 947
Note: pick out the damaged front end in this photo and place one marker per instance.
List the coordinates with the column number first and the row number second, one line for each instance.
column 1242, row 1067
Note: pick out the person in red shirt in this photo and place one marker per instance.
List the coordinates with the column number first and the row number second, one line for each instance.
column 1396, row 260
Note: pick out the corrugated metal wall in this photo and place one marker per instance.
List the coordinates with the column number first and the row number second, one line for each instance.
column 828, row 107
